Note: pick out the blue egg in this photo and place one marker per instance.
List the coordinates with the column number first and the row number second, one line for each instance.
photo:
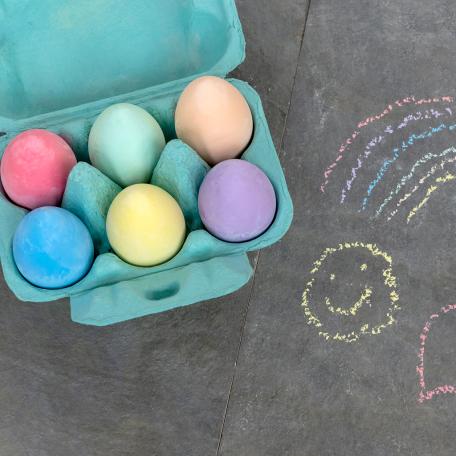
column 52, row 248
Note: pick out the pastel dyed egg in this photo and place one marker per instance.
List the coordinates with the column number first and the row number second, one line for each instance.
column 52, row 248
column 35, row 168
column 145, row 225
column 214, row 118
column 236, row 201
column 125, row 143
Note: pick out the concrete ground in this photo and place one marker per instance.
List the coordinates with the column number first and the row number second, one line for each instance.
column 246, row 375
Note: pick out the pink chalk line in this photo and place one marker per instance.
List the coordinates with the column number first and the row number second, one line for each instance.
column 425, row 394
column 368, row 120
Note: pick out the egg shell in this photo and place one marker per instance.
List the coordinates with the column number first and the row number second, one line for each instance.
column 125, row 143
column 35, row 167
column 214, row 118
column 145, row 225
column 236, row 201
column 52, row 248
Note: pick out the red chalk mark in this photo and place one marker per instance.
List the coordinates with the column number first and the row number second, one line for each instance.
column 425, row 394
column 368, row 120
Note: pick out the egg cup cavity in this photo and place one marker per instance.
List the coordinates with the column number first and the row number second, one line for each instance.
column 88, row 195
column 199, row 248
column 180, row 171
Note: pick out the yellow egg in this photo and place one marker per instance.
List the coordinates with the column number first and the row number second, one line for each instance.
column 145, row 225
column 214, row 118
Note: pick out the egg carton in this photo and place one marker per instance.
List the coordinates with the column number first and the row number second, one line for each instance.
column 95, row 54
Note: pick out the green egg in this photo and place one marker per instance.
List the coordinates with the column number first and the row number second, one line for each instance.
column 125, row 143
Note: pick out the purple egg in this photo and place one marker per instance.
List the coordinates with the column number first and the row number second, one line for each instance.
column 236, row 201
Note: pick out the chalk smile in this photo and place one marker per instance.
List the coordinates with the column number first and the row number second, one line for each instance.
column 353, row 310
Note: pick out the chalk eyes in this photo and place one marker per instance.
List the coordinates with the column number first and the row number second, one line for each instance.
column 363, row 267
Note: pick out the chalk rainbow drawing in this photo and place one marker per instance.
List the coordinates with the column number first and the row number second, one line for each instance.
column 404, row 179
column 396, row 199
column 431, row 131
column 376, row 140
column 365, row 299
column 427, row 394
column 395, row 105
column 431, row 189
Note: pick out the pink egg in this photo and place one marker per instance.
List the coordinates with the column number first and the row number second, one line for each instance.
column 35, row 167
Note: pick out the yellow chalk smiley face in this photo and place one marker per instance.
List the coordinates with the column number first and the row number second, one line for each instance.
column 352, row 292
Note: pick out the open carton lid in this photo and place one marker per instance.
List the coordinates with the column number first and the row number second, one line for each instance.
column 56, row 54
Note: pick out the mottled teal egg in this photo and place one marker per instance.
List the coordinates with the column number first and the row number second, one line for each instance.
column 125, row 143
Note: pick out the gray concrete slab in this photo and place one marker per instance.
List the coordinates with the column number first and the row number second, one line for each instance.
column 273, row 32
column 296, row 393
column 153, row 386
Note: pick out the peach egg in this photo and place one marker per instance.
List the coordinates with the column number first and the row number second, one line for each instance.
column 214, row 118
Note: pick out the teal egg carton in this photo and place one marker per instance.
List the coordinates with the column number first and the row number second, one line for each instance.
column 62, row 63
